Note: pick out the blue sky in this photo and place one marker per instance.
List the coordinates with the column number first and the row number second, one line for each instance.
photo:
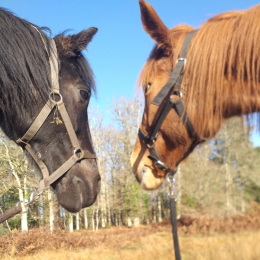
column 120, row 48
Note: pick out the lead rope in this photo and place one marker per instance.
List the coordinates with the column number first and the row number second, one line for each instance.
column 173, row 198
column 35, row 195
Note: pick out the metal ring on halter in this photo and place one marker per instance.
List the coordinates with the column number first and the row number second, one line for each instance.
column 172, row 186
column 182, row 59
column 79, row 153
column 150, row 145
column 52, row 95
column 161, row 163
column 184, row 64
column 177, row 92
column 170, row 178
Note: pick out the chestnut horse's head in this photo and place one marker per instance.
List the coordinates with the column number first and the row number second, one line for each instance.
column 220, row 80
column 173, row 139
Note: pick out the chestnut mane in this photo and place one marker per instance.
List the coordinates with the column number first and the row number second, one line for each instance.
column 221, row 78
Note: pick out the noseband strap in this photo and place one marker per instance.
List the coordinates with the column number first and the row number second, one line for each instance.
column 173, row 86
column 55, row 102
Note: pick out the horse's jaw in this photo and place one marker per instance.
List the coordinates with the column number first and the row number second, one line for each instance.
column 79, row 187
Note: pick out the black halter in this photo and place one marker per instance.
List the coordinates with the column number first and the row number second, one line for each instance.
column 171, row 87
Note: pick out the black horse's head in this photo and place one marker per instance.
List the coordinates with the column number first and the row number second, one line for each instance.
column 25, row 87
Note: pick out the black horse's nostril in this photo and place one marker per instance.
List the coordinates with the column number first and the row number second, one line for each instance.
column 98, row 178
column 76, row 180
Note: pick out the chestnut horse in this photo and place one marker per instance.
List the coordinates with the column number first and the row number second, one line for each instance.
column 60, row 143
column 220, row 80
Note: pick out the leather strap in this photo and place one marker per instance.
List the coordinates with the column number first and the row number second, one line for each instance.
column 171, row 87
column 55, row 101
column 177, row 74
column 175, row 229
column 36, row 125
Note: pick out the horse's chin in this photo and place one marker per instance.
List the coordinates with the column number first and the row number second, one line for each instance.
column 147, row 179
column 74, row 193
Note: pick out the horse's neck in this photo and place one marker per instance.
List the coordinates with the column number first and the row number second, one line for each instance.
column 242, row 99
column 236, row 100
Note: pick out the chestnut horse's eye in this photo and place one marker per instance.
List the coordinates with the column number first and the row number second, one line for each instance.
column 85, row 95
column 147, row 87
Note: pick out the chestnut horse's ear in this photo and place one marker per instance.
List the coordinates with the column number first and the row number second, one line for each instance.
column 80, row 41
column 153, row 24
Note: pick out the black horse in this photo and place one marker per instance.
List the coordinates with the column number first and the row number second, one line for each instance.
column 26, row 86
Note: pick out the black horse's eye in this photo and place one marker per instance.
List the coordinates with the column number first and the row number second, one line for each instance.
column 85, row 95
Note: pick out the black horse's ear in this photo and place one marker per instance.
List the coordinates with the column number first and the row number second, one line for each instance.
column 72, row 45
column 80, row 41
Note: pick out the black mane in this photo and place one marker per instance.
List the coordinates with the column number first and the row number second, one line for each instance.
column 24, row 67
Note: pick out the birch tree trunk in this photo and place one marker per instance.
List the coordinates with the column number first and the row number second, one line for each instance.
column 70, row 218
column 178, row 187
column 108, row 208
column 93, row 220
column 77, row 221
column 159, row 209
column 228, row 181
column 85, row 218
column 227, row 185
column 24, row 223
column 51, row 212
column 103, row 207
column 96, row 219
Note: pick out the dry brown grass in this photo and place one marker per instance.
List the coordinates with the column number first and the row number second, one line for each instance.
column 144, row 243
column 242, row 246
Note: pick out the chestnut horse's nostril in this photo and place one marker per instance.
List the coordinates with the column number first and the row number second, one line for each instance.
column 141, row 172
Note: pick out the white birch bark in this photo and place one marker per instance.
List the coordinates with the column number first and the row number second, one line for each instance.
column 77, row 221
column 227, row 177
column 85, row 218
column 96, row 220
column 103, row 207
column 178, row 187
column 70, row 218
column 51, row 212
column 93, row 220
column 129, row 222
column 159, row 205
column 108, row 209
column 24, row 223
